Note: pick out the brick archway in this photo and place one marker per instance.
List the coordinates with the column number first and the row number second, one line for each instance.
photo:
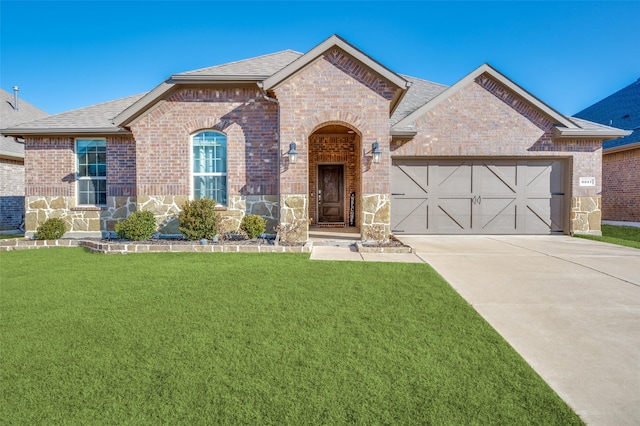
column 335, row 144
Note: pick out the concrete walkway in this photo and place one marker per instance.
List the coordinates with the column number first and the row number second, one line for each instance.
column 342, row 252
column 569, row 306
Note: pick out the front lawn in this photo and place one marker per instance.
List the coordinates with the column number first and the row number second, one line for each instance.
column 621, row 235
column 235, row 338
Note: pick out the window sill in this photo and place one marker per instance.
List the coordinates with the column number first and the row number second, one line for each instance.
column 88, row 208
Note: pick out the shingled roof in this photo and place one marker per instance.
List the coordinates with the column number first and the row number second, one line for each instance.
column 9, row 116
column 92, row 119
column 621, row 110
column 112, row 117
column 260, row 66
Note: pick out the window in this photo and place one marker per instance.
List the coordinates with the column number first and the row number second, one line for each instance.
column 210, row 166
column 92, row 171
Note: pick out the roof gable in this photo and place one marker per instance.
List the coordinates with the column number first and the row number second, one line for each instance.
column 250, row 70
column 331, row 42
column 565, row 127
column 469, row 79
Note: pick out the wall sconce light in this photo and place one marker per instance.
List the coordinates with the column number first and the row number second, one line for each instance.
column 293, row 154
column 375, row 150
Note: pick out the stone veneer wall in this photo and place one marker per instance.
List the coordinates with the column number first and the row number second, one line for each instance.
column 294, row 209
column 586, row 215
column 376, row 215
column 487, row 120
column 99, row 222
column 11, row 193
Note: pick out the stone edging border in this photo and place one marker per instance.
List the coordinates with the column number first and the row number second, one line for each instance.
column 374, row 249
column 124, row 248
column 133, row 247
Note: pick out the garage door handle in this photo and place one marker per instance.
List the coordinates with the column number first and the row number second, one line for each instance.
column 476, row 200
column 479, row 199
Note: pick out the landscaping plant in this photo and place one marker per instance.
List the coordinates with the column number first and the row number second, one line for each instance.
column 51, row 229
column 199, row 219
column 138, row 226
column 253, row 225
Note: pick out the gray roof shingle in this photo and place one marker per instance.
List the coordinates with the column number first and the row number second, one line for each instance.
column 621, row 110
column 265, row 65
column 98, row 116
column 10, row 117
column 420, row 92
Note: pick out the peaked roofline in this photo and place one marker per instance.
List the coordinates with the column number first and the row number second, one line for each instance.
column 337, row 41
column 264, row 82
column 470, row 78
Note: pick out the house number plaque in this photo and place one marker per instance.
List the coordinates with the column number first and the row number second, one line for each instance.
column 352, row 209
column 587, row 181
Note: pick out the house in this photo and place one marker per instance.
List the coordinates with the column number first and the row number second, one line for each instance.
column 330, row 135
column 620, row 157
column 13, row 111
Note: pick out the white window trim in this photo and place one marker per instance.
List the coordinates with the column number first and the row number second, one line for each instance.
column 193, row 174
column 86, row 178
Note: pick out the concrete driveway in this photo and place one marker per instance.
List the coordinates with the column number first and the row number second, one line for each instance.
column 569, row 306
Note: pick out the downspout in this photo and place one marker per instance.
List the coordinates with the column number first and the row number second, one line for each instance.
column 275, row 101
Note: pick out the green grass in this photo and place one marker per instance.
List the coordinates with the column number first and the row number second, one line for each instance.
column 9, row 236
column 234, row 338
column 621, row 235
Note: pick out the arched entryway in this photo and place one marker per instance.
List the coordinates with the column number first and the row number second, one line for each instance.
column 334, row 176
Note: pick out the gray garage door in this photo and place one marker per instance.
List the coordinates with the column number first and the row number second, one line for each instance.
column 477, row 196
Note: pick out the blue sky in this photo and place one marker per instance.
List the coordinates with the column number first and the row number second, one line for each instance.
column 67, row 55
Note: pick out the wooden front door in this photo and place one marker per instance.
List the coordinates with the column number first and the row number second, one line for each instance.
column 330, row 193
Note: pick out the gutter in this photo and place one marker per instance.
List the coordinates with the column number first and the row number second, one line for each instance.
column 204, row 79
column 91, row 131
column 605, row 134
column 402, row 133
column 621, row 148
column 275, row 101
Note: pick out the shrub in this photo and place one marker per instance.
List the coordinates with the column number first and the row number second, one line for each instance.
column 51, row 229
column 199, row 219
column 138, row 226
column 253, row 225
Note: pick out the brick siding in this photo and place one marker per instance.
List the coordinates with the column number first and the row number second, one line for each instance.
column 11, row 194
column 163, row 144
column 335, row 89
column 621, row 186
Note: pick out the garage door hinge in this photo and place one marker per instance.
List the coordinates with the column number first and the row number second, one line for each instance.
column 397, row 193
column 397, row 230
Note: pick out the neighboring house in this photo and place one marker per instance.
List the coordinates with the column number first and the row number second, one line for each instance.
column 13, row 111
column 378, row 150
column 620, row 157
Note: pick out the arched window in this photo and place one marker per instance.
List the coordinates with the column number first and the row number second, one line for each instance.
column 209, row 150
